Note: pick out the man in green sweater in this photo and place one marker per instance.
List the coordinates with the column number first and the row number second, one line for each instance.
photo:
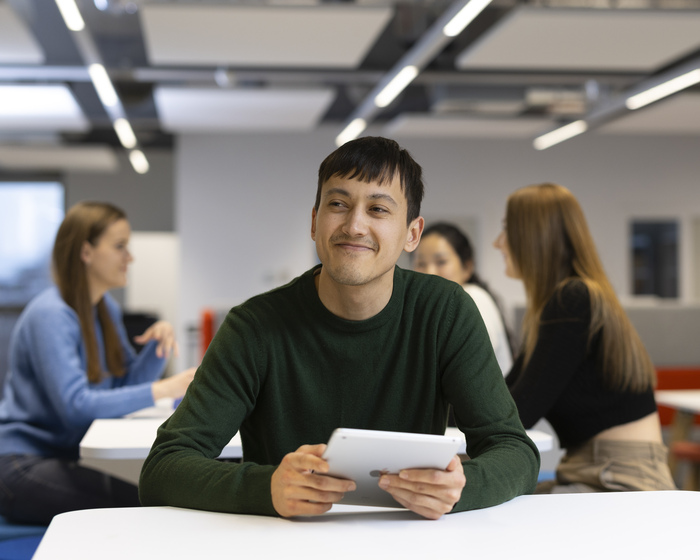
column 355, row 342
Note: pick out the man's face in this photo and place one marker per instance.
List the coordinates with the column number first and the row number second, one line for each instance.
column 360, row 229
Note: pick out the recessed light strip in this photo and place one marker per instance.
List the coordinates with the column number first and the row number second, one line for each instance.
column 103, row 85
column 663, row 90
column 464, row 17
column 560, row 134
column 125, row 133
column 350, row 132
column 397, row 84
column 138, row 161
column 431, row 43
column 71, row 14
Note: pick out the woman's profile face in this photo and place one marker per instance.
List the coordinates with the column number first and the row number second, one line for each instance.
column 435, row 255
column 107, row 261
column 501, row 243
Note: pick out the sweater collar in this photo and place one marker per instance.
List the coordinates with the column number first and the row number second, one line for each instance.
column 391, row 310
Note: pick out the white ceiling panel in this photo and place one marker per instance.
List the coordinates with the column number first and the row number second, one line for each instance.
column 17, row 45
column 426, row 126
column 678, row 115
column 216, row 110
column 58, row 158
column 578, row 39
column 40, row 108
column 300, row 36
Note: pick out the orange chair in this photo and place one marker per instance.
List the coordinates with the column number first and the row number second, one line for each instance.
column 688, row 452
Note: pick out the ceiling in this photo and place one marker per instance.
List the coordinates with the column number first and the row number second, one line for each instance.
column 520, row 69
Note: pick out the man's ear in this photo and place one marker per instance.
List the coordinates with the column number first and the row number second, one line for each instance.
column 86, row 252
column 313, row 224
column 415, row 230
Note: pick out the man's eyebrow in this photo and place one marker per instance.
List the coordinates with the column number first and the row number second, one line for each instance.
column 374, row 196
column 384, row 197
column 336, row 190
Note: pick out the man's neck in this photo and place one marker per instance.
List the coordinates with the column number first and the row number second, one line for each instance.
column 354, row 303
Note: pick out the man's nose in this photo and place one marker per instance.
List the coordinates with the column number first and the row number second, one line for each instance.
column 356, row 223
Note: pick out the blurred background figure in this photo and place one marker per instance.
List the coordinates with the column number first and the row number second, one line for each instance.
column 70, row 363
column 446, row 251
column 583, row 367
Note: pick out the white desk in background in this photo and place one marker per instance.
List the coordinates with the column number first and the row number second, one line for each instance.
column 120, row 446
column 603, row 526
column 687, row 405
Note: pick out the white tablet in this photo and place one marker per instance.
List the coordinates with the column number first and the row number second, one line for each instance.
column 364, row 455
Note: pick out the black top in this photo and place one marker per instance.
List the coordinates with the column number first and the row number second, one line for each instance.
column 563, row 381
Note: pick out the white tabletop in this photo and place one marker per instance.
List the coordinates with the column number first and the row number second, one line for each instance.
column 132, row 438
column 687, row 400
column 603, row 526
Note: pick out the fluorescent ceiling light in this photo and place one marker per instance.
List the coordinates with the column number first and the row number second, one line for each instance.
column 350, row 132
column 71, row 14
column 664, row 90
column 138, row 161
column 259, row 35
column 125, row 133
column 560, row 134
column 17, row 44
column 103, row 85
column 33, row 158
column 464, row 17
column 396, row 86
column 234, row 110
column 32, row 107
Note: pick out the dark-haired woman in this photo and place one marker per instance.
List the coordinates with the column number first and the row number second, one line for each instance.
column 446, row 251
column 70, row 363
column 583, row 367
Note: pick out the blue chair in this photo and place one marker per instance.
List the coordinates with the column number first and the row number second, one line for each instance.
column 21, row 548
column 19, row 542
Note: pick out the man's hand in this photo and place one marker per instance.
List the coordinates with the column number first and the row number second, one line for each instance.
column 428, row 492
column 296, row 487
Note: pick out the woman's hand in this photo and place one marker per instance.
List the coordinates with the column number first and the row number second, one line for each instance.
column 174, row 386
column 163, row 332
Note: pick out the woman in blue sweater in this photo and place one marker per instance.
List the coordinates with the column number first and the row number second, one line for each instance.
column 70, row 363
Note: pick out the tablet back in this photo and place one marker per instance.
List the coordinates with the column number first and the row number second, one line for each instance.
column 363, row 455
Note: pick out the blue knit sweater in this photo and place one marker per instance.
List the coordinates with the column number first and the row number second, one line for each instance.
column 48, row 402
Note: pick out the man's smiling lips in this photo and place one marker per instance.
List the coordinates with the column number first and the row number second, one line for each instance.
column 354, row 247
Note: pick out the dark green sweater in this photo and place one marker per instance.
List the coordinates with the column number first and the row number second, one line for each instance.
column 287, row 372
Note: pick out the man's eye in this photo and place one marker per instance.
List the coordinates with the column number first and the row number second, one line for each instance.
column 379, row 209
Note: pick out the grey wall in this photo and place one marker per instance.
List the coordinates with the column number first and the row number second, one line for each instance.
column 147, row 199
column 244, row 202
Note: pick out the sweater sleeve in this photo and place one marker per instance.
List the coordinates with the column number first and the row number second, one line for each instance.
column 57, row 358
column 562, row 345
column 144, row 367
column 504, row 462
column 179, row 470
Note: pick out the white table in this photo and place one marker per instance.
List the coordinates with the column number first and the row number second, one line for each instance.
column 614, row 525
column 120, row 446
column 687, row 405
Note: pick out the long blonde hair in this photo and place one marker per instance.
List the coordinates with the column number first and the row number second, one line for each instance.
column 86, row 222
column 550, row 245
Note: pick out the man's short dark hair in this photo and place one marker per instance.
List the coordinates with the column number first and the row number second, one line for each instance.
column 373, row 158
